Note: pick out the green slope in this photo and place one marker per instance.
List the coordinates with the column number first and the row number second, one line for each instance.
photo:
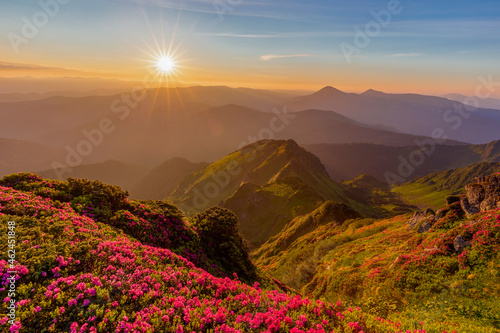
column 370, row 190
column 431, row 190
column 266, row 184
column 393, row 272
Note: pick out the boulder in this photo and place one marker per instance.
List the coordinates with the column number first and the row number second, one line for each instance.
column 482, row 195
column 416, row 218
column 491, row 202
column 468, row 208
column 452, row 199
column 475, row 194
column 441, row 213
column 426, row 225
column 459, row 244
column 424, row 221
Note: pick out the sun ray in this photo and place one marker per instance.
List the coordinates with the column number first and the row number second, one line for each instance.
column 165, row 58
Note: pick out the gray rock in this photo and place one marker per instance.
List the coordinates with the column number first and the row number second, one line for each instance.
column 424, row 220
column 459, row 244
column 483, row 195
column 475, row 194
column 441, row 213
column 426, row 225
column 468, row 208
column 489, row 203
column 415, row 220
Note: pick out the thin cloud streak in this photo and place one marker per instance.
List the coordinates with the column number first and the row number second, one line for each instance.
column 10, row 68
column 268, row 57
column 402, row 55
column 345, row 34
column 208, row 7
column 18, row 66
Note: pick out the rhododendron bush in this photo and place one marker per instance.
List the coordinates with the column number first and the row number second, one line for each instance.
column 155, row 223
column 79, row 273
column 76, row 275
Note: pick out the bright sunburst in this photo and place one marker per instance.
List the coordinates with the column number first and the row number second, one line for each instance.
column 165, row 65
column 165, row 58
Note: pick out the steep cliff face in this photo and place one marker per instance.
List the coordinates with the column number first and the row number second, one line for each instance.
column 482, row 195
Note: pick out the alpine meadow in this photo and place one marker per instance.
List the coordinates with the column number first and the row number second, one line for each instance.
column 239, row 166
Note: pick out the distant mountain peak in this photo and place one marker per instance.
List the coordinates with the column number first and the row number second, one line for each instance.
column 328, row 91
column 372, row 92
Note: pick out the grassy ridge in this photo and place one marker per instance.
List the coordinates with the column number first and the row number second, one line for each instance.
column 266, row 185
column 429, row 191
column 396, row 273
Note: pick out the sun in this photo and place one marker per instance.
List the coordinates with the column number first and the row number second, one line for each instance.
column 165, row 65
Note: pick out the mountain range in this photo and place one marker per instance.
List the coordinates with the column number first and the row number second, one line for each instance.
column 347, row 161
column 485, row 103
column 407, row 113
column 204, row 124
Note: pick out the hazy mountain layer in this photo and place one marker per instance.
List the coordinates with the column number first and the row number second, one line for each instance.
column 161, row 181
column 399, row 164
column 408, row 113
column 197, row 123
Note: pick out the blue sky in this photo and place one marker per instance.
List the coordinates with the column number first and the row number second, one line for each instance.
column 428, row 47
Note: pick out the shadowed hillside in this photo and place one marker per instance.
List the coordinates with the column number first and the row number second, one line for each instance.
column 110, row 172
column 18, row 155
column 161, row 181
column 352, row 160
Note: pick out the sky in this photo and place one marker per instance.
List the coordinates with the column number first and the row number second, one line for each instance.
column 420, row 46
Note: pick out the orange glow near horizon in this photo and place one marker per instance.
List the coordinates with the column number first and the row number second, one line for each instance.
column 170, row 70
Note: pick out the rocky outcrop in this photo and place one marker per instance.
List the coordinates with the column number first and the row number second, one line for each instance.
column 424, row 221
column 442, row 212
column 467, row 207
column 482, row 195
column 452, row 199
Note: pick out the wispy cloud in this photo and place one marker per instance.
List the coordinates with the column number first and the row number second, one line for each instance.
column 450, row 28
column 233, row 35
column 16, row 66
column 467, row 51
column 291, row 35
column 268, row 57
column 210, row 7
column 280, row 34
column 10, row 68
column 402, row 55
